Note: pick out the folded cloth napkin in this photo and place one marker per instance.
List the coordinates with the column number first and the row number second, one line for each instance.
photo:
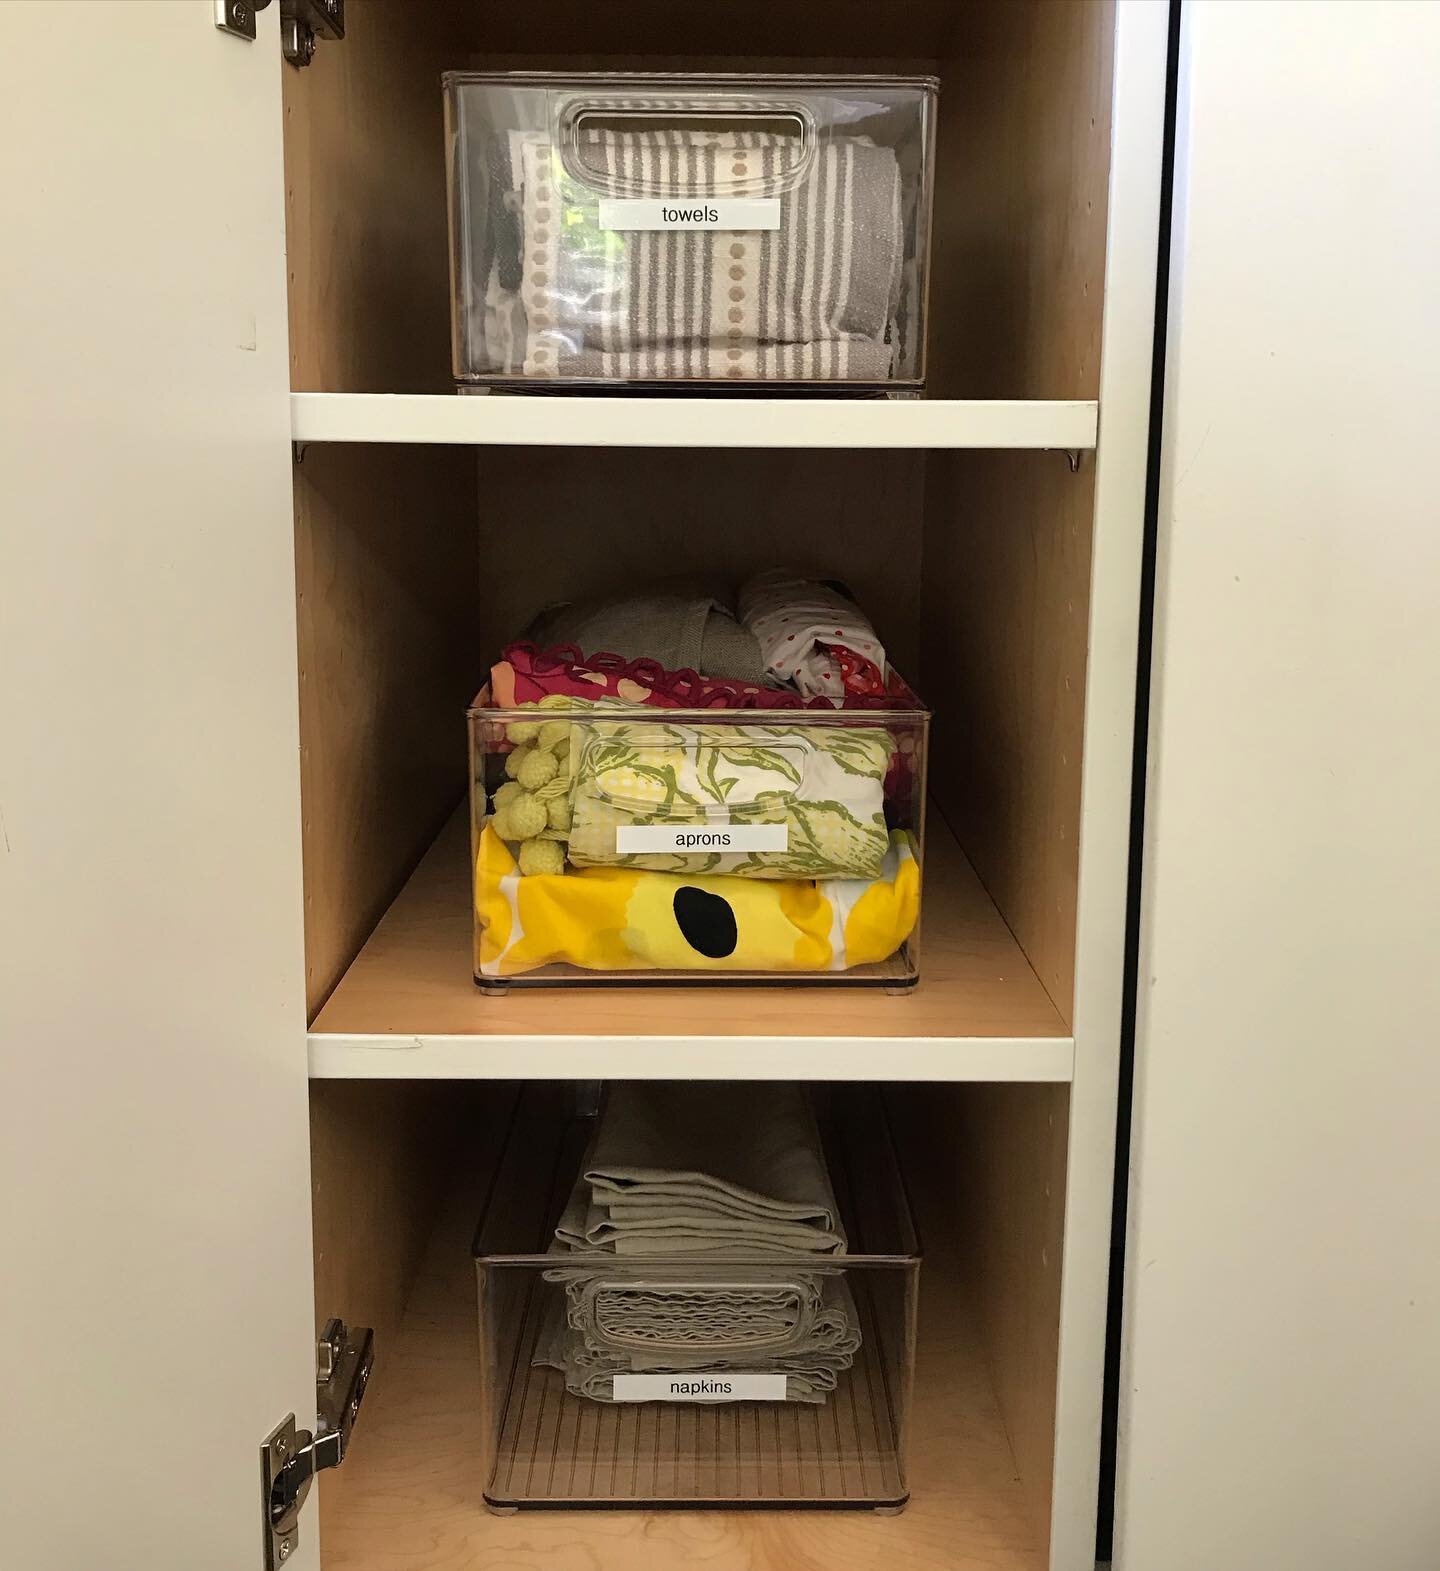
column 811, row 1365
column 812, row 635
column 695, row 1314
column 732, row 1149
column 672, row 1227
column 826, row 783
column 812, row 300
column 678, row 1315
column 680, row 1173
column 680, row 629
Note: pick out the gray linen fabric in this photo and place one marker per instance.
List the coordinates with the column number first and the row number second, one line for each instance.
column 812, row 1364
column 683, row 627
column 734, row 1149
column 676, row 1177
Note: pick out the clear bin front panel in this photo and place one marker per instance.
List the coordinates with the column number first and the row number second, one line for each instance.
column 648, row 230
column 670, row 1380
column 625, row 843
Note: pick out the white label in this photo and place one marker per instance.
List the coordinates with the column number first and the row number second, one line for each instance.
column 761, row 212
column 701, row 839
column 696, row 1387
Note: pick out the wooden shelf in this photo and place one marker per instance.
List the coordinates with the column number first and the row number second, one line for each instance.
column 408, row 1007
column 582, row 421
column 409, row 1493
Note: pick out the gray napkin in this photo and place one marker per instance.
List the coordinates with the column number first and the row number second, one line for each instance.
column 746, row 1152
column 812, row 1366
column 692, row 1171
column 681, row 1228
column 698, row 1315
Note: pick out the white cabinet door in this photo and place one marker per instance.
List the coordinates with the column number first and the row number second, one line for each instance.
column 1281, row 1383
column 156, row 1251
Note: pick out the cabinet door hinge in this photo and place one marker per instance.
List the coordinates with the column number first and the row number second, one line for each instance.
column 304, row 21
column 237, row 17
column 291, row 1457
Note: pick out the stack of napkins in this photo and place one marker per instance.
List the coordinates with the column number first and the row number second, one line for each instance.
column 680, row 1181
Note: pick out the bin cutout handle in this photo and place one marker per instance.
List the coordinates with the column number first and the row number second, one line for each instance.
column 714, row 127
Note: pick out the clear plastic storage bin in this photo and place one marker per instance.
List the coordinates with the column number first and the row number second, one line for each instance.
column 766, row 231
column 622, row 843
column 731, row 1433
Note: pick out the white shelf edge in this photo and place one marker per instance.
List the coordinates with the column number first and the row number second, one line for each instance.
column 581, row 421
column 446, row 1057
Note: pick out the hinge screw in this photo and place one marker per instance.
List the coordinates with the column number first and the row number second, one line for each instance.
column 284, row 1548
column 241, row 15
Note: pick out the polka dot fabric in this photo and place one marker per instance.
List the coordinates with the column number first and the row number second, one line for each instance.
column 813, row 637
column 525, row 674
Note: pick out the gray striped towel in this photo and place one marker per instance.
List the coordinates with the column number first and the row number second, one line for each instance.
column 811, row 301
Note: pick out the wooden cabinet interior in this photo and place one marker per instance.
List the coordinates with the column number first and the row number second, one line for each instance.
column 414, row 564
column 400, row 1176
column 976, row 564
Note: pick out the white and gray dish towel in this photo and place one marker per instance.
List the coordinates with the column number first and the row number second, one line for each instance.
column 815, row 300
column 717, row 1205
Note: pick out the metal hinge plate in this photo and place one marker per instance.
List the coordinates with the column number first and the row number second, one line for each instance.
column 302, row 22
column 291, row 1457
column 237, row 17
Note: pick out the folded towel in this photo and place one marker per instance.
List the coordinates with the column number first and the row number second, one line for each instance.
column 812, row 300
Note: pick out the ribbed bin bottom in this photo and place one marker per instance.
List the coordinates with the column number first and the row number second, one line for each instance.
column 561, row 1450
